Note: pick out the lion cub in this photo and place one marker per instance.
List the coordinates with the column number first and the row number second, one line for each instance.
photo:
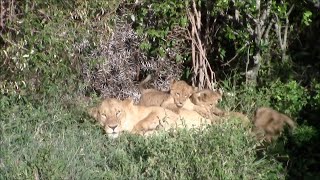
column 174, row 99
column 204, row 102
column 269, row 123
column 117, row 116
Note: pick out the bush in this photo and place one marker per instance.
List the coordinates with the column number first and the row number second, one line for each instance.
column 243, row 97
column 289, row 97
column 41, row 48
column 315, row 98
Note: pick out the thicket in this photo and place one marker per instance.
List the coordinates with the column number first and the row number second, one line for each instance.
column 61, row 55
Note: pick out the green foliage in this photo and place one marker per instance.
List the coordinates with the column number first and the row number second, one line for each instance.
column 243, row 97
column 306, row 19
column 41, row 52
column 288, row 97
column 304, row 152
column 56, row 143
column 156, row 20
column 315, row 99
column 304, row 134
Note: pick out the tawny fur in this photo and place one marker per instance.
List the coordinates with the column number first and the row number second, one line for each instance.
column 269, row 123
column 151, row 97
column 173, row 99
column 205, row 102
column 117, row 116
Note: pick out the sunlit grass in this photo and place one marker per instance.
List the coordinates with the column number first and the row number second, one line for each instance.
column 58, row 143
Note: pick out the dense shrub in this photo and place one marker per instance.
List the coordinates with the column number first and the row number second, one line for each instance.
column 289, row 97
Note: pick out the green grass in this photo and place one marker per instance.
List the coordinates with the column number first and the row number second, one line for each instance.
column 52, row 142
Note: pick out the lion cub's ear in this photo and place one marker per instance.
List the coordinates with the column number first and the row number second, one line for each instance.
column 220, row 91
column 172, row 82
column 93, row 112
column 129, row 101
column 202, row 96
column 195, row 89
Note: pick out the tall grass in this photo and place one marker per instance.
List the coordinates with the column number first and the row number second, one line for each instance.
column 51, row 142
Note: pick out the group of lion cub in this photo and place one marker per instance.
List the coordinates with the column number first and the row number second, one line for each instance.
column 182, row 106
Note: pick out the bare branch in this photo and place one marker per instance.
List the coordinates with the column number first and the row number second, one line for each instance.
column 201, row 66
column 266, row 32
column 278, row 30
column 236, row 55
column 265, row 15
column 287, row 26
column 247, row 64
column 290, row 10
column 266, row 12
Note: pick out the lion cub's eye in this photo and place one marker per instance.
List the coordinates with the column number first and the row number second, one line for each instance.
column 104, row 116
column 178, row 94
column 118, row 113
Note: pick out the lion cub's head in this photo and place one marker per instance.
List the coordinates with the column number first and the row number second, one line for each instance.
column 206, row 97
column 180, row 91
column 112, row 115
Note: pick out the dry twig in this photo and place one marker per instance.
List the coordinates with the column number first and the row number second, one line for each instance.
column 202, row 71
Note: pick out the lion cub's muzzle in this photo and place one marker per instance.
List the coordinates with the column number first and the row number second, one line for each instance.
column 180, row 103
column 112, row 130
